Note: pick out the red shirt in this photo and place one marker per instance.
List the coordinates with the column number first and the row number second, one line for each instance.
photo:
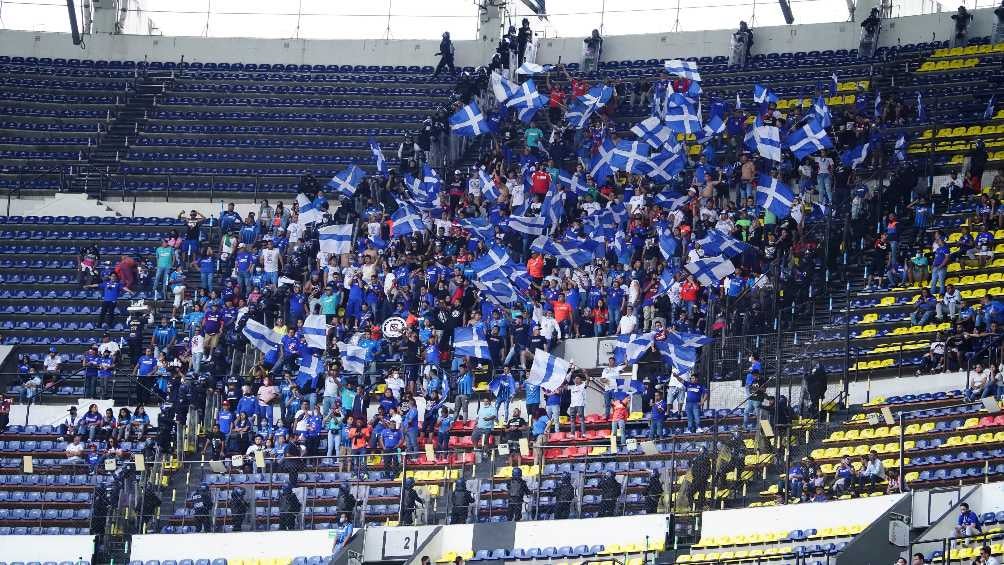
column 688, row 291
column 540, row 182
column 556, row 98
column 579, row 87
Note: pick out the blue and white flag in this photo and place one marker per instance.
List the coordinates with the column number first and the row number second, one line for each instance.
column 683, row 118
column 773, row 195
column 530, row 225
column 262, row 338
column 503, row 387
column 878, row 105
column 834, row 83
column 629, row 156
column 309, row 210
column 683, row 359
column 668, row 243
column 489, row 189
column 502, row 87
column 666, row 279
column 526, row 96
column 685, row 339
column 479, row 227
column 989, row 112
column 354, row 358
column 431, row 184
column 739, row 102
column 763, row 95
column 651, row 130
column 822, row 112
column 768, row 142
column 576, row 182
column 921, row 114
column 681, row 68
column 709, row 271
column 665, row 165
column 855, row 156
column 499, row 290
column 310, row 367
column 490, row 264
column 600, row 168
column 808, row 139
column 406, row 220
column 553, row 208
column 344, row 182
column 627, row 387
column 714, row 127
column 315, row 331
column 900, row 150
column 381, row 162
column 470, row 342
column 335, row 239
column 671, row 200
column 529, row 68
column 469, row 121
column 578, row 114
column 548, row 371
column 716, row 243
column 569, row 254
column 598, row 96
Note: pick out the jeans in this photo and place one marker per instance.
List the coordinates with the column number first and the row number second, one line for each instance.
column 608, row 398
column 244, row 280
column 270, row 277
column 921, row 317
column 617, row 429
column 693, row 410
column 90, row 386
column 326, row 403
column 825, row 183
column 206, row 280
column 553, row 417
column 334, row 443
column 159, row 287
column 264, row 416
column 577, row 413
column 745, row 190
column 655, row 428
column 752, row 409
column 197, row 362
column 411, row 439
column 938, row 280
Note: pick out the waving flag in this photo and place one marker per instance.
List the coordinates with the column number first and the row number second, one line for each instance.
column 763, row 95
column 629, row 349
column 900, row 150
column 530, row 225
column 710, row 270
column 470, row 342
column 768, row 142
column 574, row 254
column 503, row 387
column 834, row 83
column 652, row 131
column 629, row 156
column 878, row 105
column 671, row 200
column 667, row 243
column 684, row 339
column 683, row 359
column 989, row 112
column 627, row 387
column 855, row 156
column 406, row 220
column 315, row 331
column 529, row 68
column 344, row 182
column 685, row 69
column 335, row 239
column 716, row 243
column 666, row 279
column 479, row 227
column 772, row 195
column 499, row 290
column 714, row 127
column 683, row 118
column 469, row 121
column 553, row 208
column 548, row 371
column 381, row 163
column 600, row 168
column 664, row 166
column 739, row 102
column 526, row 96
column 354, row 358
column 921, row 114
column 310, row 367
column 598, row 96
column 310, row 212
column 578, row 114
column 822, row 112
column 262, row 338
column 574, row 181
column 502, row 87
column 489, row 189
column 808, row 139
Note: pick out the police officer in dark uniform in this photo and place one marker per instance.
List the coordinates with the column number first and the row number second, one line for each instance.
column 518, row 490
column 203, row 505
column 460, row 502
column 151, row 502
column 564, row 493
column 653, row 492
column 289, row 508
column 238, row 507
column 610, row 491
column 345, row 502
column 700, row 469
column 408, row 500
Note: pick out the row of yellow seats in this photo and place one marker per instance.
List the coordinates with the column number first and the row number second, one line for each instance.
column 959, row 159
column 895, row 348
column 872, row 365
column 431, row 475
column 995, row 264
column 528, row 471
column 971, row 552
column 774, row 537
column 957, row 145
column 956, row 236
column 968, row 50
column 907, row 330
column 952, row 65
column 774, row 491
column 837, row 100
column 962, row 131
column 767, row 553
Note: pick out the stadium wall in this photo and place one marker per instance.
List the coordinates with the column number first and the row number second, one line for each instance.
column 37, row 549
column 808, row 37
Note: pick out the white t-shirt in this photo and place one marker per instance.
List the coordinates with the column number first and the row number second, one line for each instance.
column 295, row 232
column 270, row 260
column 825, row 165
column 516, row 195
column 610, row 375
column 198, row 344
column 578, row 395
column 52, row 362
column 627, row 324
column 111, row 346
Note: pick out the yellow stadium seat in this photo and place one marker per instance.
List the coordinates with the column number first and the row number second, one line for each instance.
column 926, row 66
column 685, row 558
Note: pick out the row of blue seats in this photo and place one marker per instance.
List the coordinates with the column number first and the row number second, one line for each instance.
column 10, row 325
column 933, row 396
column 29, row 446
column 61, row 84
column 49, row 514
column 318, row 492
column 90, row 235
column 42, row 155
column 48, row 340
column 300, row 89
column 15, row 391
column 33, row 279
column 51, row 310
column 53, row 481
column 72, row 250
column 49, row 140
column 297, row 102
column 960, row 457
column 314, row 560
column 40, row 531
column 51, row 126
column 34, row 496
column 226, row 171
column 205, row 186
column 93, row 220
column 65, row 295
column 37, row 183
column 38, row 112
column 156, row 127
column 291, row 143
column 960, row 473
column 199, row 115
column 47, row 98
column 200, row 157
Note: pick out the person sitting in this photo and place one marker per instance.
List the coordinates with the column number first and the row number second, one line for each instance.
column 968, row 523
column 872, row 471
column 924, row 309
column 845, row 476
column 75, row 451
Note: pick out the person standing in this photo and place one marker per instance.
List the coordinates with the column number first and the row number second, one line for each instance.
column 111, row 289
column 518, row 490
column 592, row 49
column 446, row 53
column 524, row 36
column 165, row 264
column 695, row 395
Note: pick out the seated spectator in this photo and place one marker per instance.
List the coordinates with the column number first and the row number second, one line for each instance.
column 90, row 422
column 950, row 303
column 75, row 451
column 138, row 424
column 486, row 417
column 968, row 523
column 934, row 359
column 872, row 471
column 844, row 476
column 820, row 495
column 924, row 309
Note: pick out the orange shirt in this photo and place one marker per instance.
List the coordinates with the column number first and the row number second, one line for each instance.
column 562, row 310
column 535, row 266
column 618, row 411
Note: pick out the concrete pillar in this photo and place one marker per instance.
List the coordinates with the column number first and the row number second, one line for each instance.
column 489, row 31
column 105, row 15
